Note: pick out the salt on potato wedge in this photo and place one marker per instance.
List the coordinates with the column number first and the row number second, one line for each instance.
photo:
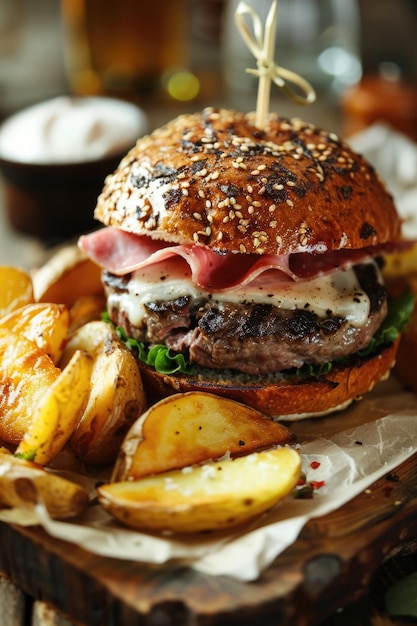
column 16, row 289
column 116, row 397
column 214, row 496
column 26, row 374
column 66, row 276
column 46, row 324
column 24, row 484
column 55, row 418
column 191, row 428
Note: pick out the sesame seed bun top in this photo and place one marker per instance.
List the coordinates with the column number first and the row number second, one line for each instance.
column 213, row 178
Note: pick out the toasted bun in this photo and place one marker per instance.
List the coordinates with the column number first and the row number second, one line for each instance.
column 288, row 400
column 214, row 179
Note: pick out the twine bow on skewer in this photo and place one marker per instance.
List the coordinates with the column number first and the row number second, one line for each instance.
column 261, row 44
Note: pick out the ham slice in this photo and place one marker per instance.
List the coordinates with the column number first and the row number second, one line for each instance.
column 121, row 253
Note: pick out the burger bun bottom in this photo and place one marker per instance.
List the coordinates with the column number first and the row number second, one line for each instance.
column 287, row 400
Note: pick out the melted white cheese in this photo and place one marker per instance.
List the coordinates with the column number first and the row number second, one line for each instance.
column 336, row 294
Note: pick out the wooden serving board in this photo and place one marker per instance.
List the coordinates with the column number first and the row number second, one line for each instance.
column 332, row 564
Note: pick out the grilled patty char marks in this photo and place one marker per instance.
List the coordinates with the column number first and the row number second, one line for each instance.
column 254, row 339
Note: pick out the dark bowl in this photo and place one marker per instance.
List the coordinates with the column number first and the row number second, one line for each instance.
column 54, row 201
column 55, row 156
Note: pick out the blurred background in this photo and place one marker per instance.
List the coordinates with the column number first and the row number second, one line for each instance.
column 167, row 57
column 170, row 56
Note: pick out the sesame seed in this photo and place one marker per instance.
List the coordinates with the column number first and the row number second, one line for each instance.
column 219, row 236
column 255, row 172
column 273, row 224
column 208, row 204
column 242, row 248
column 304, row 240
column 215, row 175
column 185, row 192
column 272, row 208
column 251, row 210
column 197, row 216
column 256, row 203
column 249, row 189
column 278, row 239
column 290, row 183
column 289, row 202
column 201, row 193
column 225, row 219
column 208, row 231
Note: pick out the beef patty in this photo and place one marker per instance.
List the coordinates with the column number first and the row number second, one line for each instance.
column 251, row 338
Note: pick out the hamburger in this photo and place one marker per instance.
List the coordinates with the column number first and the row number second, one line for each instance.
column 247, row 263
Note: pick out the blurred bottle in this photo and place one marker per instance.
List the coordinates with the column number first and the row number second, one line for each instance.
column 318, row 39
column 123, row 47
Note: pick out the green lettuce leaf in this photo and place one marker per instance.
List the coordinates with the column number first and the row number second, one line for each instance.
column 159, row 356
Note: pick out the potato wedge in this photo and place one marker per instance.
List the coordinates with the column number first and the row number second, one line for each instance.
column 46, row 324
column 67, row 276
column 116, row 395
column 400, row 264
column 24, row 484
column 214, row 496
column 16, row 289
column 26, row 374
column 56, row 417
column 191, row 428
column 86, row 309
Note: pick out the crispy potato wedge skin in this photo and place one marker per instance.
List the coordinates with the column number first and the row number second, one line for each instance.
column 67, row 276
column 26, row 374
column 116, row 396
column 55, row 418
column 214, row 496
column 24, row 484
column 191, row 428
column 16, row 289
column 46, row 324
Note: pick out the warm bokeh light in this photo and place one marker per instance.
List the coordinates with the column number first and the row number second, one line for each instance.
column 183, row 86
